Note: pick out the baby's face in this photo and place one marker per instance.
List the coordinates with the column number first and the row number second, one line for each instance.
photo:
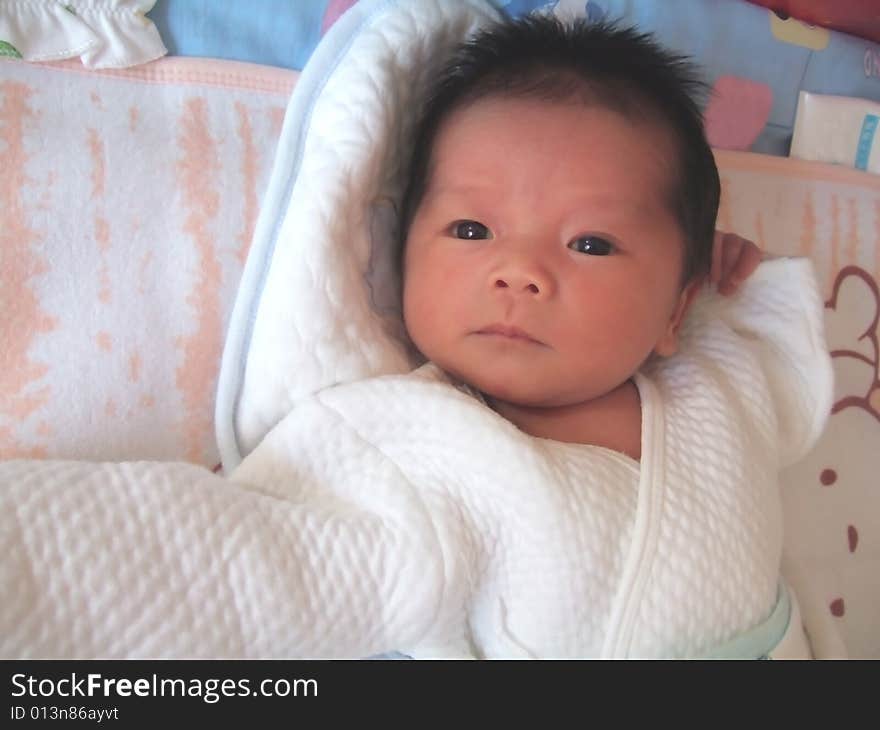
column 543, row 264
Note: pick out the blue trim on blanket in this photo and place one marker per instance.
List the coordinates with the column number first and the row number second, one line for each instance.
column 759, row 642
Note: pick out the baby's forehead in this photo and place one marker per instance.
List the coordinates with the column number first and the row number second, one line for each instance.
column 477, row 143
column 499, row 111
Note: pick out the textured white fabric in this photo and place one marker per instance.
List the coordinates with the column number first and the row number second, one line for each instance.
column 103, row 33
column 750, row 398
column 400, row 512
column 318, row 300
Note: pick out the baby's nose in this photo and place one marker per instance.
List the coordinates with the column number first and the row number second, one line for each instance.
column 522, row 278
column 518, row 284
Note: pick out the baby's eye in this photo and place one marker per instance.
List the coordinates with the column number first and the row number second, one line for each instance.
column 470, row 230
column 592, row 245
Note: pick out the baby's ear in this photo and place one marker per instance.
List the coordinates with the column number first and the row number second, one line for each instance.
column 667, row 345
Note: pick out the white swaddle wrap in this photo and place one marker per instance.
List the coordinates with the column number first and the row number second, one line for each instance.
column 369, row 508
column 399, row 512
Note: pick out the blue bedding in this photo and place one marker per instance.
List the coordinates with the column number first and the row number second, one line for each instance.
column 755, row 62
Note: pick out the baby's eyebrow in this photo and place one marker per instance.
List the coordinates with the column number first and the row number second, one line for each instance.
column 476, row 193
column 437, row 190
column 454, row 197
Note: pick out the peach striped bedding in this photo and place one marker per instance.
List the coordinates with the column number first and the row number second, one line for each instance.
column 129, row 198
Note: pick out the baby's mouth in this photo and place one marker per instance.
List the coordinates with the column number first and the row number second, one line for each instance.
column 509, row 332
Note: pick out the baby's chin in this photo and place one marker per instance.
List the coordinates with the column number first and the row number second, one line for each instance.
column 520, row 390
column 534, row 387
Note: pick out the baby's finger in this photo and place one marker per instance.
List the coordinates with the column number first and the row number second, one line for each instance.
column 715, row 268
column 749, row 257
column 730, row 253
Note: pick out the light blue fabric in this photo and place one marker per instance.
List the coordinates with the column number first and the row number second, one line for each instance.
column 271, row 32
column 725, row 38
column 759, row 642
column 736, row 39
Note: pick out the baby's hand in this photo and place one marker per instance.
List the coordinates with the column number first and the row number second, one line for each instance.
column 733, row 260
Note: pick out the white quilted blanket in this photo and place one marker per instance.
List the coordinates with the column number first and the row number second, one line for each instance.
column 369, row 508
column 400, row 512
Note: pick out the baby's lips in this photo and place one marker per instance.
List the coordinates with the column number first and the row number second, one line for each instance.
column 510, row 331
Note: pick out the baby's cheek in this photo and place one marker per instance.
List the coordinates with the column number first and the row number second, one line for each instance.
column 418, row 312
column 623, row 325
